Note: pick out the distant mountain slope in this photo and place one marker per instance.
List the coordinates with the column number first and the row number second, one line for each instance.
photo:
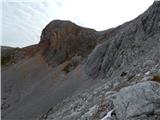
column 77, row 73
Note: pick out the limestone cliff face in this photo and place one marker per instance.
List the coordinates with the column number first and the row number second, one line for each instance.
column 127, row 43
column 63, row 40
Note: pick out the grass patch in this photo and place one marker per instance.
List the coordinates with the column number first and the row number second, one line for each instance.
column 5, row 60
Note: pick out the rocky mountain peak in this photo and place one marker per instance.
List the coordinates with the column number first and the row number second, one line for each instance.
column 57, row 30
column 62, row 40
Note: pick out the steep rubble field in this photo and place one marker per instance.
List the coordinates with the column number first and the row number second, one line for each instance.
column 77, row 73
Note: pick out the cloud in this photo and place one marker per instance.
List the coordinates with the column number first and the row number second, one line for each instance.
column 22, row 22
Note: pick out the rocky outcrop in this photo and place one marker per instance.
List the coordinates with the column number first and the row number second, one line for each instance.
column 138, row 102
column 62, row 40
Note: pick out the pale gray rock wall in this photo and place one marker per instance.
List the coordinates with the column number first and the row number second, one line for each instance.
column 138, row 102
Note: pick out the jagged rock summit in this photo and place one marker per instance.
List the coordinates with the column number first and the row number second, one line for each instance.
column 63, row 40
column 77, row 73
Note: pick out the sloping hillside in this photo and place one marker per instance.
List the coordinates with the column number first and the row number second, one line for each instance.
column 77, row 73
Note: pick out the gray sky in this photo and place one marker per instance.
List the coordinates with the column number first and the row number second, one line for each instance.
column 23, row 20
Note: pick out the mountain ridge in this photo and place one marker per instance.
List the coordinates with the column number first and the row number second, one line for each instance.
column 77, row 73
